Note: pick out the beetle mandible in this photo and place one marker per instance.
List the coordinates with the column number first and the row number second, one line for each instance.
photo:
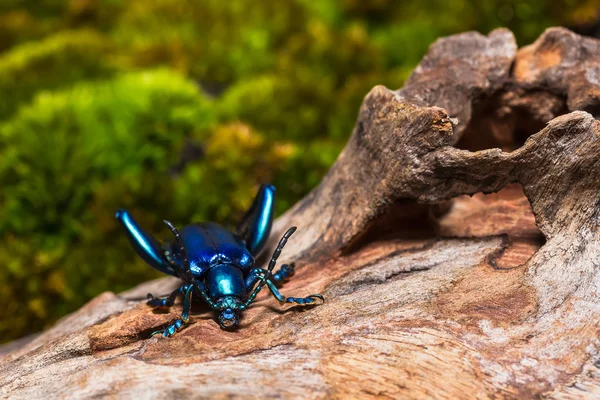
column 216, row 264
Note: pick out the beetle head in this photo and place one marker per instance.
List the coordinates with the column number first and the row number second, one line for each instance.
column 229, row 309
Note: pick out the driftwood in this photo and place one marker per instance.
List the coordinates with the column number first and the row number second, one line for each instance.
column 430, row 292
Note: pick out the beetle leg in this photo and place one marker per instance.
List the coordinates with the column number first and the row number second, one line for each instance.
column 145, row 245
column 282, row 275
column 285, row 272
column 256, row 224
column 167, row 301
column 180, row 322
column 303, row 301
column 272, row 263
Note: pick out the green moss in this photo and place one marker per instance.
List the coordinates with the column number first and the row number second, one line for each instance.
column 244, row 36
column 58, row 60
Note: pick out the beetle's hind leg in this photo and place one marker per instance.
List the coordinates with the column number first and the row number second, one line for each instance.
column 284, row 274
column 180, row 322
column 256, row 224
column 144, row 244
column 167, row 301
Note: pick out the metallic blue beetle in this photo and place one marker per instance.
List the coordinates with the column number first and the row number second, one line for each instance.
column 216, row 264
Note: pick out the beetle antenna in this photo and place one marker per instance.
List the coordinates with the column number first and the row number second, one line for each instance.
column 274, row 257
column 179, row 240
column 277, row 252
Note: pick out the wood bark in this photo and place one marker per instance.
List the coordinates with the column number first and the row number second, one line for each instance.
column 456, row 240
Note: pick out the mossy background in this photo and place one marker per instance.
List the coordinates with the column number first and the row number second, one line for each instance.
column 180, row 109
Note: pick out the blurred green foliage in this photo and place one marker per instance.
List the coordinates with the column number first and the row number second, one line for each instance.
column 180, row 109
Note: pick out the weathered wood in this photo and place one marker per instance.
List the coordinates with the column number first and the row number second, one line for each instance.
column 430, row 292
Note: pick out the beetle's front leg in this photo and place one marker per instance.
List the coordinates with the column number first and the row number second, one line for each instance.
column 183, row 319
column 167, row 301
column 279, row 277
column 258, row 274
column 302, row 301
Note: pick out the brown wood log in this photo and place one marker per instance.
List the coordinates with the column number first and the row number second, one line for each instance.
column 456, row 240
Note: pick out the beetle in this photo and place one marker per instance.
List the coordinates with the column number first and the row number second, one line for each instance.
column 216, row 264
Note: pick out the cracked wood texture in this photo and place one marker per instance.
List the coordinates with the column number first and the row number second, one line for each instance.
column 456, row 240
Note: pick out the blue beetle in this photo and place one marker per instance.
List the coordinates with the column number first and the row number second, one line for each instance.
column 216, row 264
